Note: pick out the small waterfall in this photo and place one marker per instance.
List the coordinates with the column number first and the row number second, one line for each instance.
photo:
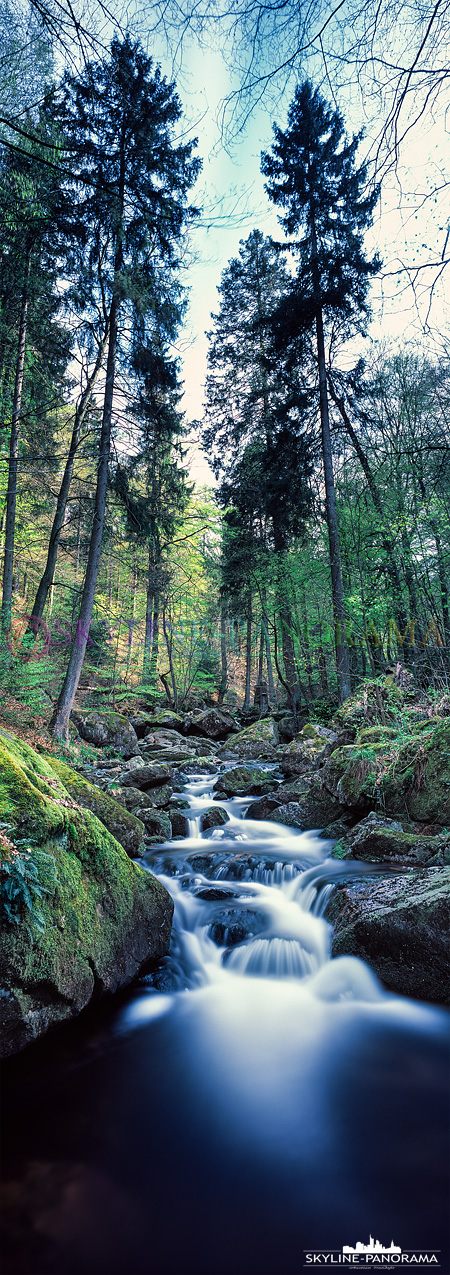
column 194, row 827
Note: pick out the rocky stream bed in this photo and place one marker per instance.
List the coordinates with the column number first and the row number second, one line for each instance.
column 263, row 1089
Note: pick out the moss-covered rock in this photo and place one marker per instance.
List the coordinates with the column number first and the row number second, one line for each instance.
column 308, row 749
column 122, row 824
column 406, row 775
column 242, row 781
column 377, row 702
column 401, row 927
column 259, row 740
column 104, row 917
column 106, row 730
column 378, row 839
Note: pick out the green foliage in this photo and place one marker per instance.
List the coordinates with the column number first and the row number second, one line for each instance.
column 25, row 876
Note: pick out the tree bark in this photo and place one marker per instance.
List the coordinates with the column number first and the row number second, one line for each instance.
column 223, row 656
column 248, row 654
column 337, row 590
column 11, row 495
column 61, row 504
column 59, row 724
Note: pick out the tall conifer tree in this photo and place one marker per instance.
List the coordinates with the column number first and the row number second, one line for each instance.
column 312, row 174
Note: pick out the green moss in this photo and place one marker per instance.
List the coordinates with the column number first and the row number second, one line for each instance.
column 124, row 826
column 375, row 734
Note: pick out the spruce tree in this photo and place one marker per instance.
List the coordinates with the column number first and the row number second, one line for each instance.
column 312, row 174
column 131, row 182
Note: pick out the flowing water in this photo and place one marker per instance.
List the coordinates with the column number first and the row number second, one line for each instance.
column 248, row 1105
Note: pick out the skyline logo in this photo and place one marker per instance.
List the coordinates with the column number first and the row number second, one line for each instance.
column 373, row 1254
column 374, row 1246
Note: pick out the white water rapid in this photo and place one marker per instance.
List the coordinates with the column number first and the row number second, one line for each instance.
column 252, row 1107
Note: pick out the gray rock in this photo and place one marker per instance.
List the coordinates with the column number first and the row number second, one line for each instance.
column 243, row 780
column 153, row 775
column 259, row 740
column 401, row 927
column 214, row 818
column 180, row 826
column 214, row 723
column 309, row 749
column 378, row 839
column 106, row 730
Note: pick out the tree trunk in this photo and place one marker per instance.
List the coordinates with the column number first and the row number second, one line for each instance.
column 61, row 504
column 59, row 723
column 270, row 681
column 11, row 495
column 337, row 591
column 248, row 655
column 223, row 656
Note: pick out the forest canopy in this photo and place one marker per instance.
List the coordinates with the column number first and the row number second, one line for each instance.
column 322, row 554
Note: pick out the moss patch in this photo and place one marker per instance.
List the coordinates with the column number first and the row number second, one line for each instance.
column 103, row 918
column 124, row 826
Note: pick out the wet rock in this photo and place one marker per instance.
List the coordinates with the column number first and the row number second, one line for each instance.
column 259, row 740
column 180, row 825
column 401, row 927
column 161, row 796
column 153, row 775
column 214, row 818
column 106, row 730
column 309, row 749
column 305, row 804
column 243, row 780
column 157, row 825
column 378, row 839
column 263, row 809
column 215, row 894
column 234, row 925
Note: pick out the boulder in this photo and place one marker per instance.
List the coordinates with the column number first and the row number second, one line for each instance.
column 215, row 817
column 244, row 780
column 102, row 918
column 258, row 740
column 378, row 839
column 214, row 723
column 157, row 825
column 146, row 723
column 401, row 927
column 408, row 774
column 234, row 925
column 180, row 826
column 153, row 775
column 308, row 749
column 122, row 824
column 106, row 730
column 264, row 807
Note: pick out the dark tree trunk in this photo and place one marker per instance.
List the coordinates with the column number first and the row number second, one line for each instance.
column 337, row 590
column 248, row 653
column 223, row 656
column 11, row 495
column 59, row 724
column 270, row 681
column 61, row 504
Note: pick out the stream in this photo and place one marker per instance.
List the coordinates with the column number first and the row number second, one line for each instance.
column 251, row 1107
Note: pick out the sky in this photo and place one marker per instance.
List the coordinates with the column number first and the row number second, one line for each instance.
column 408, row 223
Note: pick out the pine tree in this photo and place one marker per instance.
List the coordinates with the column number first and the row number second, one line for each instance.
column 313, row 176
